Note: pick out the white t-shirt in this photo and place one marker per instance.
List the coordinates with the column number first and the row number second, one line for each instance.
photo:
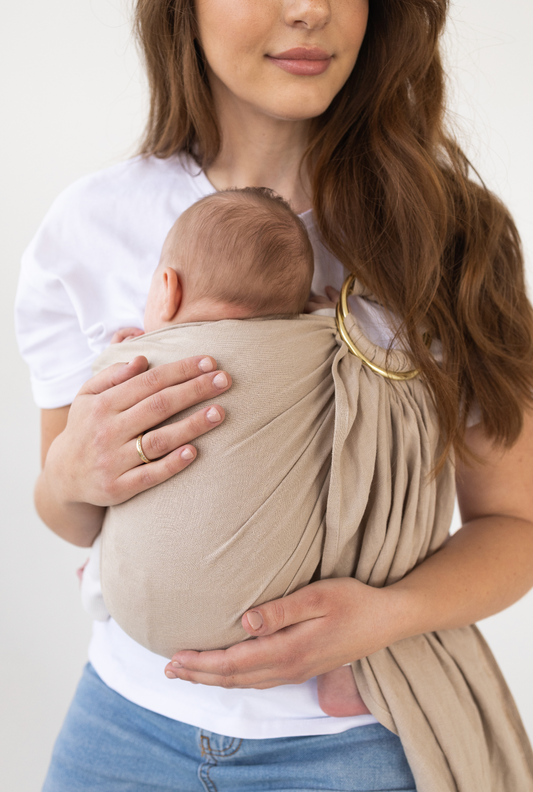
column 86, row 274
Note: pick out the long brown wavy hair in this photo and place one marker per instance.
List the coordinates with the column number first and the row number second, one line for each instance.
column 395, row 200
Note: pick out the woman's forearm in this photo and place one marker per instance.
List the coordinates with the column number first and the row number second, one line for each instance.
column 77, row 523
column 482, row 569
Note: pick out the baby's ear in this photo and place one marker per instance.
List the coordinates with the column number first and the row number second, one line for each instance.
column 173, row 293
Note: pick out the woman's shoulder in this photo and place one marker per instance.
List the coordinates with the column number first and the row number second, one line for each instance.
column 134, row 182
column 88, row 267
column 130, row 205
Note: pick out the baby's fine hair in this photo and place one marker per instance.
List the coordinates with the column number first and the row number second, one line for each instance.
column 244, row 247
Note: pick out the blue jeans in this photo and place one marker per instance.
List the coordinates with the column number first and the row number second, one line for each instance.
column 109, row 744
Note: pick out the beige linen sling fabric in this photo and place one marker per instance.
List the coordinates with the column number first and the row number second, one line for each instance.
column 245, row 523
column 320, row 462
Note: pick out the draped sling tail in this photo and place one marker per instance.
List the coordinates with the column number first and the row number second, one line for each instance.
column 441, row 692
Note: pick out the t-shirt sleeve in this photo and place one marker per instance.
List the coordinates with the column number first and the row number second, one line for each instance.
column 48, row 329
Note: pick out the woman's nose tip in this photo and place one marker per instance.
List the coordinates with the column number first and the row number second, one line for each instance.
column 310, row 14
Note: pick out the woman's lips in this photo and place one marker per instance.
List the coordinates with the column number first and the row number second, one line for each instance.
column 303, row 61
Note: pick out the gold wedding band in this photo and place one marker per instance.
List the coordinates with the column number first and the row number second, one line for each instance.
column 140, row 449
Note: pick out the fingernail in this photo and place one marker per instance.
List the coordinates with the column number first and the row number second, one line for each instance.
column 187, row 454
column 170, row 675
column 220, row 381
column 176, row 664
column 213, row 415
column 255, row 620
column 206, row 365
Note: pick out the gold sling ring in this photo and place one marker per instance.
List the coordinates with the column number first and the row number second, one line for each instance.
column 341, row 312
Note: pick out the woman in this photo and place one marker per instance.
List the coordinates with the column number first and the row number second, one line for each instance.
column 338, row 107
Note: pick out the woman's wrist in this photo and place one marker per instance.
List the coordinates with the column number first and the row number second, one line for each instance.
column 479, row 571
column 59, row 476
column 398, row 616
column 75, row 521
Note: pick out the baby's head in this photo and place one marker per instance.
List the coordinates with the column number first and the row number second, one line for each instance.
column 235, row 254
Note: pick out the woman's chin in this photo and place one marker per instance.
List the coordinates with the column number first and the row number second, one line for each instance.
column 297, row 108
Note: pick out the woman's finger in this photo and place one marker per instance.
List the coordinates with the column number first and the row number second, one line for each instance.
column 305, row 604
column 240, row 665
column 145, row 476
column 221, row 662
column 319, row 299
column 313, row 306
column 173, row 399
column 333, row 294
column 125, row 333
column 159, row 442
column 114, row 376
column 152, row 381
column 255, row 680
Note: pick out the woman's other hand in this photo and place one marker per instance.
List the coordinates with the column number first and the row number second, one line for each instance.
column 89, row 451
column 125, row 334
column 316, row 629
column 318, row 301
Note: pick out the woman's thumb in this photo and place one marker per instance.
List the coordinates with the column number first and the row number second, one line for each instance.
column 270, row 617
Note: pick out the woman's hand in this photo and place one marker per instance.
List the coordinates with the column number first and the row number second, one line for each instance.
column 316, row 629
column 93, row 462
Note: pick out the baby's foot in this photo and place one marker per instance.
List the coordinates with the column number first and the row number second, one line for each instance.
column 338, row 694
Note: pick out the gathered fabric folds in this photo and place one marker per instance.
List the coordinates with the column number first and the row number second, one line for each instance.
column 441, row 692
column 322, row 468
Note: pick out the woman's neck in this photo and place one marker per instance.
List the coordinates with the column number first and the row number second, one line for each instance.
column 261, row 151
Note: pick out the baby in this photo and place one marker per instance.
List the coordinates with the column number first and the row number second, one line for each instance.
column 234, row 255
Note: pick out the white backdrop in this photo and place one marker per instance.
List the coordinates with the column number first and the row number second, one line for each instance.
column 73, row 102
